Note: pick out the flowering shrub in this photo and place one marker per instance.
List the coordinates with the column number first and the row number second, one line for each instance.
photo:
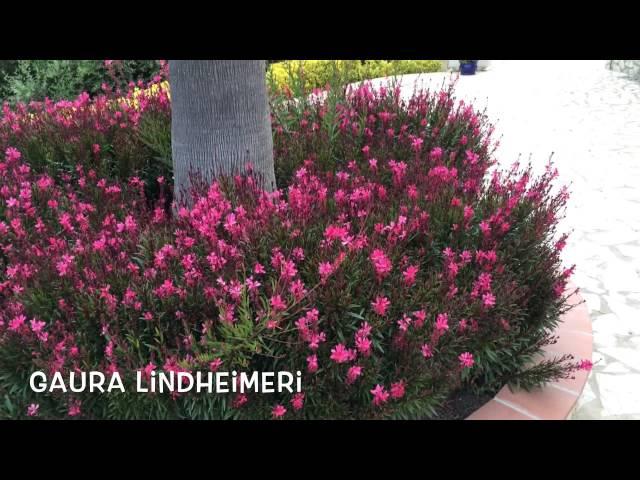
column 117, row 134
column 391, row 270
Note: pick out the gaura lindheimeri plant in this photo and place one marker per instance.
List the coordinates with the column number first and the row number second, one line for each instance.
column 118, row 134
column 391, row 268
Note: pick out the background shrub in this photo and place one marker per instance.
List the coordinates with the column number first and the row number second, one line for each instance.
column 27, row 80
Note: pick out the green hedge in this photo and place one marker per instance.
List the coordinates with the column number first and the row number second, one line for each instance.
column 26, row 80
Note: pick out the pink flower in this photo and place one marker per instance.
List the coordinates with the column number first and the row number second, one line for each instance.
column 380, row 305
column 215, row 364
column 17, row 322
column 312, row 363
column 381, row 263
column 363, row 345
column 278, row 411
column 36, row 325
column 341, row 354
column 585, row 365
column 353, row 374
column 74, row 408
column 421, row 316
column 380, row 396
column 32, row 410
column 410, row 275
column 397, row 389
column 488, row 300
column 240, row 400
column 166, row 289
column 466, row 360
column 442, row 322
column 298, row 401
column 426, row 351
column 258, row 269
column 404, row 322
column 148, row 369
column 277, row 303
column 64, row 265
column 12, row 155
column 325, row 269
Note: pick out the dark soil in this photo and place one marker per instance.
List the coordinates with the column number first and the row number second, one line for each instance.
column 461, row 404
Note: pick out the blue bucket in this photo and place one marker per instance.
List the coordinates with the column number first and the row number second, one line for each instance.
column 468, row 68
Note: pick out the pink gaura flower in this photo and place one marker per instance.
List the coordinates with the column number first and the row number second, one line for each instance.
column 420, row 316
column 426, row 350
column 380, row 305
column 17, row 322
column 215, row 364
column 381, row 263
column 488, row 300
column 239, row 401
column 466, row 360
column 380, row 395
column 32, row 410
column 397, row 389
column 64, row 265
column 435, row 154
column 404, row 323
column 442, row 322
column 278, row 411
column 312, row 363
column 325, row 269
column 341, row 354
column 410, row 275
column 36, row 325
column 297, row 402
column 585, row 365
column 74, row 408
column 277, row 303
column 353, row 374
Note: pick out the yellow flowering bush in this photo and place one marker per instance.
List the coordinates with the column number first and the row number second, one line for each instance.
column 154, row 89
column 310, row 74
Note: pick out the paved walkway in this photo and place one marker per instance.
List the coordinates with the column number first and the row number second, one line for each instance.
column 590, row 117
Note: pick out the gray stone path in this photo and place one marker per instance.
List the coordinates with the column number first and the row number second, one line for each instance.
column 590, row 117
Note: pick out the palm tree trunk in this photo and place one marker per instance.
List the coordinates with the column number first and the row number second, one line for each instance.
column 220, row 121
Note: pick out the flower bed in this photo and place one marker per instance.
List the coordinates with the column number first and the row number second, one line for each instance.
column 391, row 269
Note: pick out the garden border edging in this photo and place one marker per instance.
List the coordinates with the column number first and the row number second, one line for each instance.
column 557, row 400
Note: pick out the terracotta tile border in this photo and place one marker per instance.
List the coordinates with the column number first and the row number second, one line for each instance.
column 556, row 400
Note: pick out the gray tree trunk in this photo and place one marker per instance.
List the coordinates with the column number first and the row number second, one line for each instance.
column 220, row 121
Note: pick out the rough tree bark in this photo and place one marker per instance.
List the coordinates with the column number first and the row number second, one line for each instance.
column 220, row 121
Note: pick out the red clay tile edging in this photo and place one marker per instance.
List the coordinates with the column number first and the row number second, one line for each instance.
column 556, row 400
